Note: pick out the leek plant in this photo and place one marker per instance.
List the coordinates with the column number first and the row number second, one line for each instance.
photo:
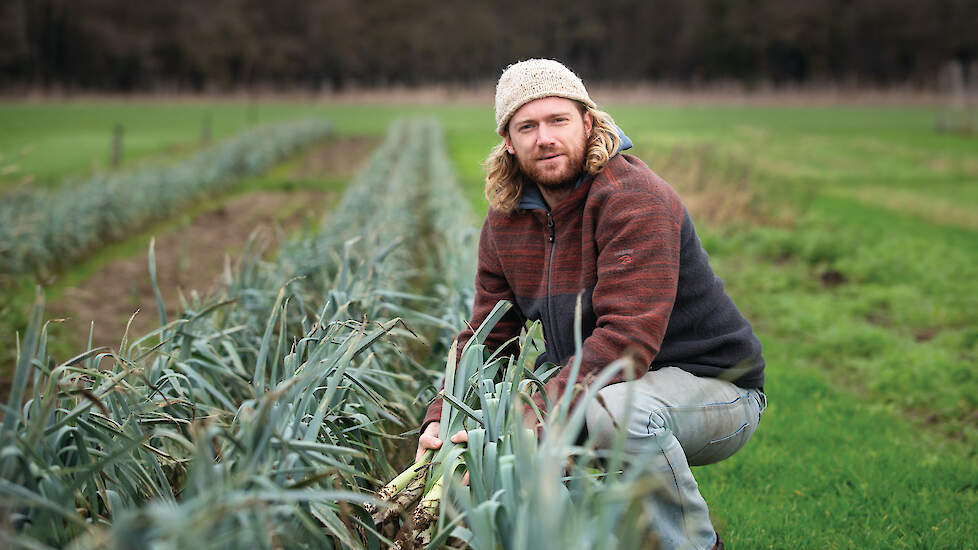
column 527, row 488
column 258, row 418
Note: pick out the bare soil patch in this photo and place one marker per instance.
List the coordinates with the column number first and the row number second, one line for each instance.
column 338, row 158
column 191, row 257
column 188, row 259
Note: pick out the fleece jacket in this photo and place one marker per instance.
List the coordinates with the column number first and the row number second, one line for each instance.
column 624, row 242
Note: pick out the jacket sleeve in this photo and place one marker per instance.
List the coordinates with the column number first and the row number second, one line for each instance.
column 490, row 287
column 638, row 237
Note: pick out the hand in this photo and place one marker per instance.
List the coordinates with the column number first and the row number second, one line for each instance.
column 429, row 439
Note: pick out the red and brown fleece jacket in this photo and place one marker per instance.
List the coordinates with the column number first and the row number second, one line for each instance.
column 625, row 239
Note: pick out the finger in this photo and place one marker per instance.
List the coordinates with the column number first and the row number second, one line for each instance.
column 426, row 442
column 460, row 437
column 429, row 442
column 465, row 479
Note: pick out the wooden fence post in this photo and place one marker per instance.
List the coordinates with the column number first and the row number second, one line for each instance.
column 205, row 129
column 953, row 115
column 971, row 86
column 117, row 132
column 252, row 112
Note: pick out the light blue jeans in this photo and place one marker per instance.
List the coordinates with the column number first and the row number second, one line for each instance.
column 676, row 420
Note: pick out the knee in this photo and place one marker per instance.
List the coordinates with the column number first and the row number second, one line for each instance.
column 604, row 423
column 607, row 418
column 655, row 423
column 600, row 425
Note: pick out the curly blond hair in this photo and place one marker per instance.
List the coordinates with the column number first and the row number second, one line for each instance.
column 504, row 180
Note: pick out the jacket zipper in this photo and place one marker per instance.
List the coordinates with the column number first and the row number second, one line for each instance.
column 550, row 270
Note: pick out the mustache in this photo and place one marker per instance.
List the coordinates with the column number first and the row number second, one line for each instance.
column 550, row 153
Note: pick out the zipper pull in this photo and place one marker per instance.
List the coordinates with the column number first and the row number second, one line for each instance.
column 550, row 225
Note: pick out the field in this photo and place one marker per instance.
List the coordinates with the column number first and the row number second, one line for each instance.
column 847, row 235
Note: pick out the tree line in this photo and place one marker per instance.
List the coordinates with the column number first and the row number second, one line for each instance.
column 119, row 45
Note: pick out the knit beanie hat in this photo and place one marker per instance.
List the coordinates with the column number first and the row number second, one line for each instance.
column 532, row 79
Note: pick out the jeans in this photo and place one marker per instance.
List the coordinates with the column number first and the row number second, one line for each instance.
column 676, row 420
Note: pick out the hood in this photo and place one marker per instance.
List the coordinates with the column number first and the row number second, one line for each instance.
column 532, row 199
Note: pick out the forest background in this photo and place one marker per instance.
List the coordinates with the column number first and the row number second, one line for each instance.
column 182, row 46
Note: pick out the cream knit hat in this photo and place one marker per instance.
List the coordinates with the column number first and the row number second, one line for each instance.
column 532, row 79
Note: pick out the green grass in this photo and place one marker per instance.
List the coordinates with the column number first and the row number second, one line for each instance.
column 52, row 141
column 830, row 470
column 840, row 148
column 870, row 439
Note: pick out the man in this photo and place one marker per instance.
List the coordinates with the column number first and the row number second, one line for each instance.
column 569, row 213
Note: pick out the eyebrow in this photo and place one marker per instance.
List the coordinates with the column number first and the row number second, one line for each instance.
column 517, row 122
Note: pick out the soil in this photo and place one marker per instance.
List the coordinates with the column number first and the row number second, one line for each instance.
column 192, row 257
column 188, row 259
column 339, row 159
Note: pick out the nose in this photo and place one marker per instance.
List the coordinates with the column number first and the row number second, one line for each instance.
column 545, row 137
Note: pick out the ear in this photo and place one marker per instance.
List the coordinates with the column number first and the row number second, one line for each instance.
column 509, row 145
column 588, row 123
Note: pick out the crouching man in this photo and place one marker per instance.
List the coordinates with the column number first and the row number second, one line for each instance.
column 570, row 213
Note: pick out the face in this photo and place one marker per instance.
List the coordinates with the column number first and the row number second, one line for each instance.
column 548, row 136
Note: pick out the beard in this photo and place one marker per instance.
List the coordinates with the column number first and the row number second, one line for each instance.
column 566, row 171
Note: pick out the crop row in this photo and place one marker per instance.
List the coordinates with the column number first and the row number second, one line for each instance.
column 270, row 415
column 42, row 230
column 246, row 412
